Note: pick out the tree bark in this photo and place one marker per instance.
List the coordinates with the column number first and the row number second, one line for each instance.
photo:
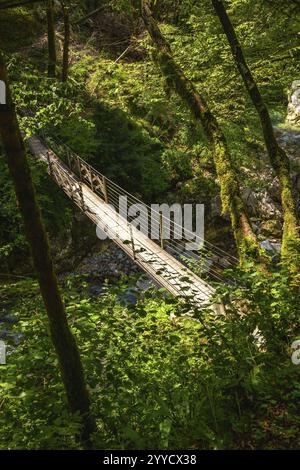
column 51, row 40
column 230, row 192
column 278, row 158
column 62, row 338
column 65, row 65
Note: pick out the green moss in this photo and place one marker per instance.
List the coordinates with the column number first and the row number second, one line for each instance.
column 290, row 251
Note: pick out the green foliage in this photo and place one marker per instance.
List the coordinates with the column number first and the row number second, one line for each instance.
column 158, row 377
column 45, row 101
column 56, row 213
column 155, row 139
column 133, row 156
column 17, row 27
column 160, row 374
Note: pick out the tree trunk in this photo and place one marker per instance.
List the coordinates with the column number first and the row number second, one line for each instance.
column 65, row 65
column 230, row 191
column 277, row 156
column 62, row 338
column 51, row 40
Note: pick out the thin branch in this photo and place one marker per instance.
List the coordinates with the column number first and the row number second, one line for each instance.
column 123, row 53
column 89, row 15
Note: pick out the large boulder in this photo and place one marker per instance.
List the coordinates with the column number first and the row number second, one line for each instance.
column 293, row 115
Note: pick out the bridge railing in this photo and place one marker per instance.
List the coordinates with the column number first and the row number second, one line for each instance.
column 110, row 193
column 154, row 262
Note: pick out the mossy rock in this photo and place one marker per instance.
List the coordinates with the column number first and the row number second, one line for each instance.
column 271, row 228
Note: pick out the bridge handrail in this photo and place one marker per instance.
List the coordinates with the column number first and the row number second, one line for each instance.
column 76, row 163
column 231, row 259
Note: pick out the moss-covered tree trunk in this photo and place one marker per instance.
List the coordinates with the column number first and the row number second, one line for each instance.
column 51, row 40
column 277, row 156
column 65, row 64
column 227, row 176
column 62, row 338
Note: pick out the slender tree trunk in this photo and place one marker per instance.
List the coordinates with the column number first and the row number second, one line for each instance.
column 277, row 156
column 62, row 338
column 51, row 40
column 176, row 11
column 65, row 65
column 230, row 191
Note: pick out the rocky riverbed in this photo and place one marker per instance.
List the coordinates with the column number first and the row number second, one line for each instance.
column 111, row 264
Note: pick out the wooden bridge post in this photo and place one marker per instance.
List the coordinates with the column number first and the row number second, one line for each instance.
column 132, row 240
column 161, row 230
column 81, row 194
column 69, row 159
column 105, row 189
column 79, row 168
column 49, row 163
column 91, row 178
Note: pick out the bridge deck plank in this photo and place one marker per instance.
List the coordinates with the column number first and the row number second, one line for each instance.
column 166, row 270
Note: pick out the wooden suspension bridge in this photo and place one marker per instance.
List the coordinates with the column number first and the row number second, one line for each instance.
column 96, row 196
